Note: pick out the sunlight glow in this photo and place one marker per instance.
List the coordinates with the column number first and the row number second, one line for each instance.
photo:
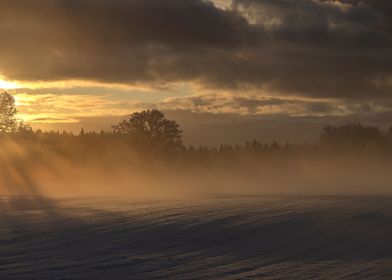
column 4, row 84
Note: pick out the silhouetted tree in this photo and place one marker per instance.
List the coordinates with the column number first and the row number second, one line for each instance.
column 8, row 111
column 151, row 130
column 24, row 128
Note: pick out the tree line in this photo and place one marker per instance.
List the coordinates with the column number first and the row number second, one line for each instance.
column 149, row 134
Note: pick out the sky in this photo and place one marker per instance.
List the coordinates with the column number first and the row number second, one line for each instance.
column 226, row 70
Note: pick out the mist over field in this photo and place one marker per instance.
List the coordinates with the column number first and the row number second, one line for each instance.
column 77, row 167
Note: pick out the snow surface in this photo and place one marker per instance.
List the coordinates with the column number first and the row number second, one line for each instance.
column 219, row 238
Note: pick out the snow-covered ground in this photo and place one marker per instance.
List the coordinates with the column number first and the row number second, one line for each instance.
column 216, row 238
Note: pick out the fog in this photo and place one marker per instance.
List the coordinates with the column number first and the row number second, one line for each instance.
column 33, row 167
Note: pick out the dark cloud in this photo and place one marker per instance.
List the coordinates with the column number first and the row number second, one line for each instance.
column 313, row 48
column 262, row 105
column 120, row 41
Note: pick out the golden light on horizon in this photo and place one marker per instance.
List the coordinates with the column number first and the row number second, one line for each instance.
column 69, row 108
column 4, row 84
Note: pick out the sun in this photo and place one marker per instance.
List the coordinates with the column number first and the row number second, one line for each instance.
column 4, row 84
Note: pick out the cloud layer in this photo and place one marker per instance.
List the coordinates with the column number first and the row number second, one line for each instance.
column 309, row 48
